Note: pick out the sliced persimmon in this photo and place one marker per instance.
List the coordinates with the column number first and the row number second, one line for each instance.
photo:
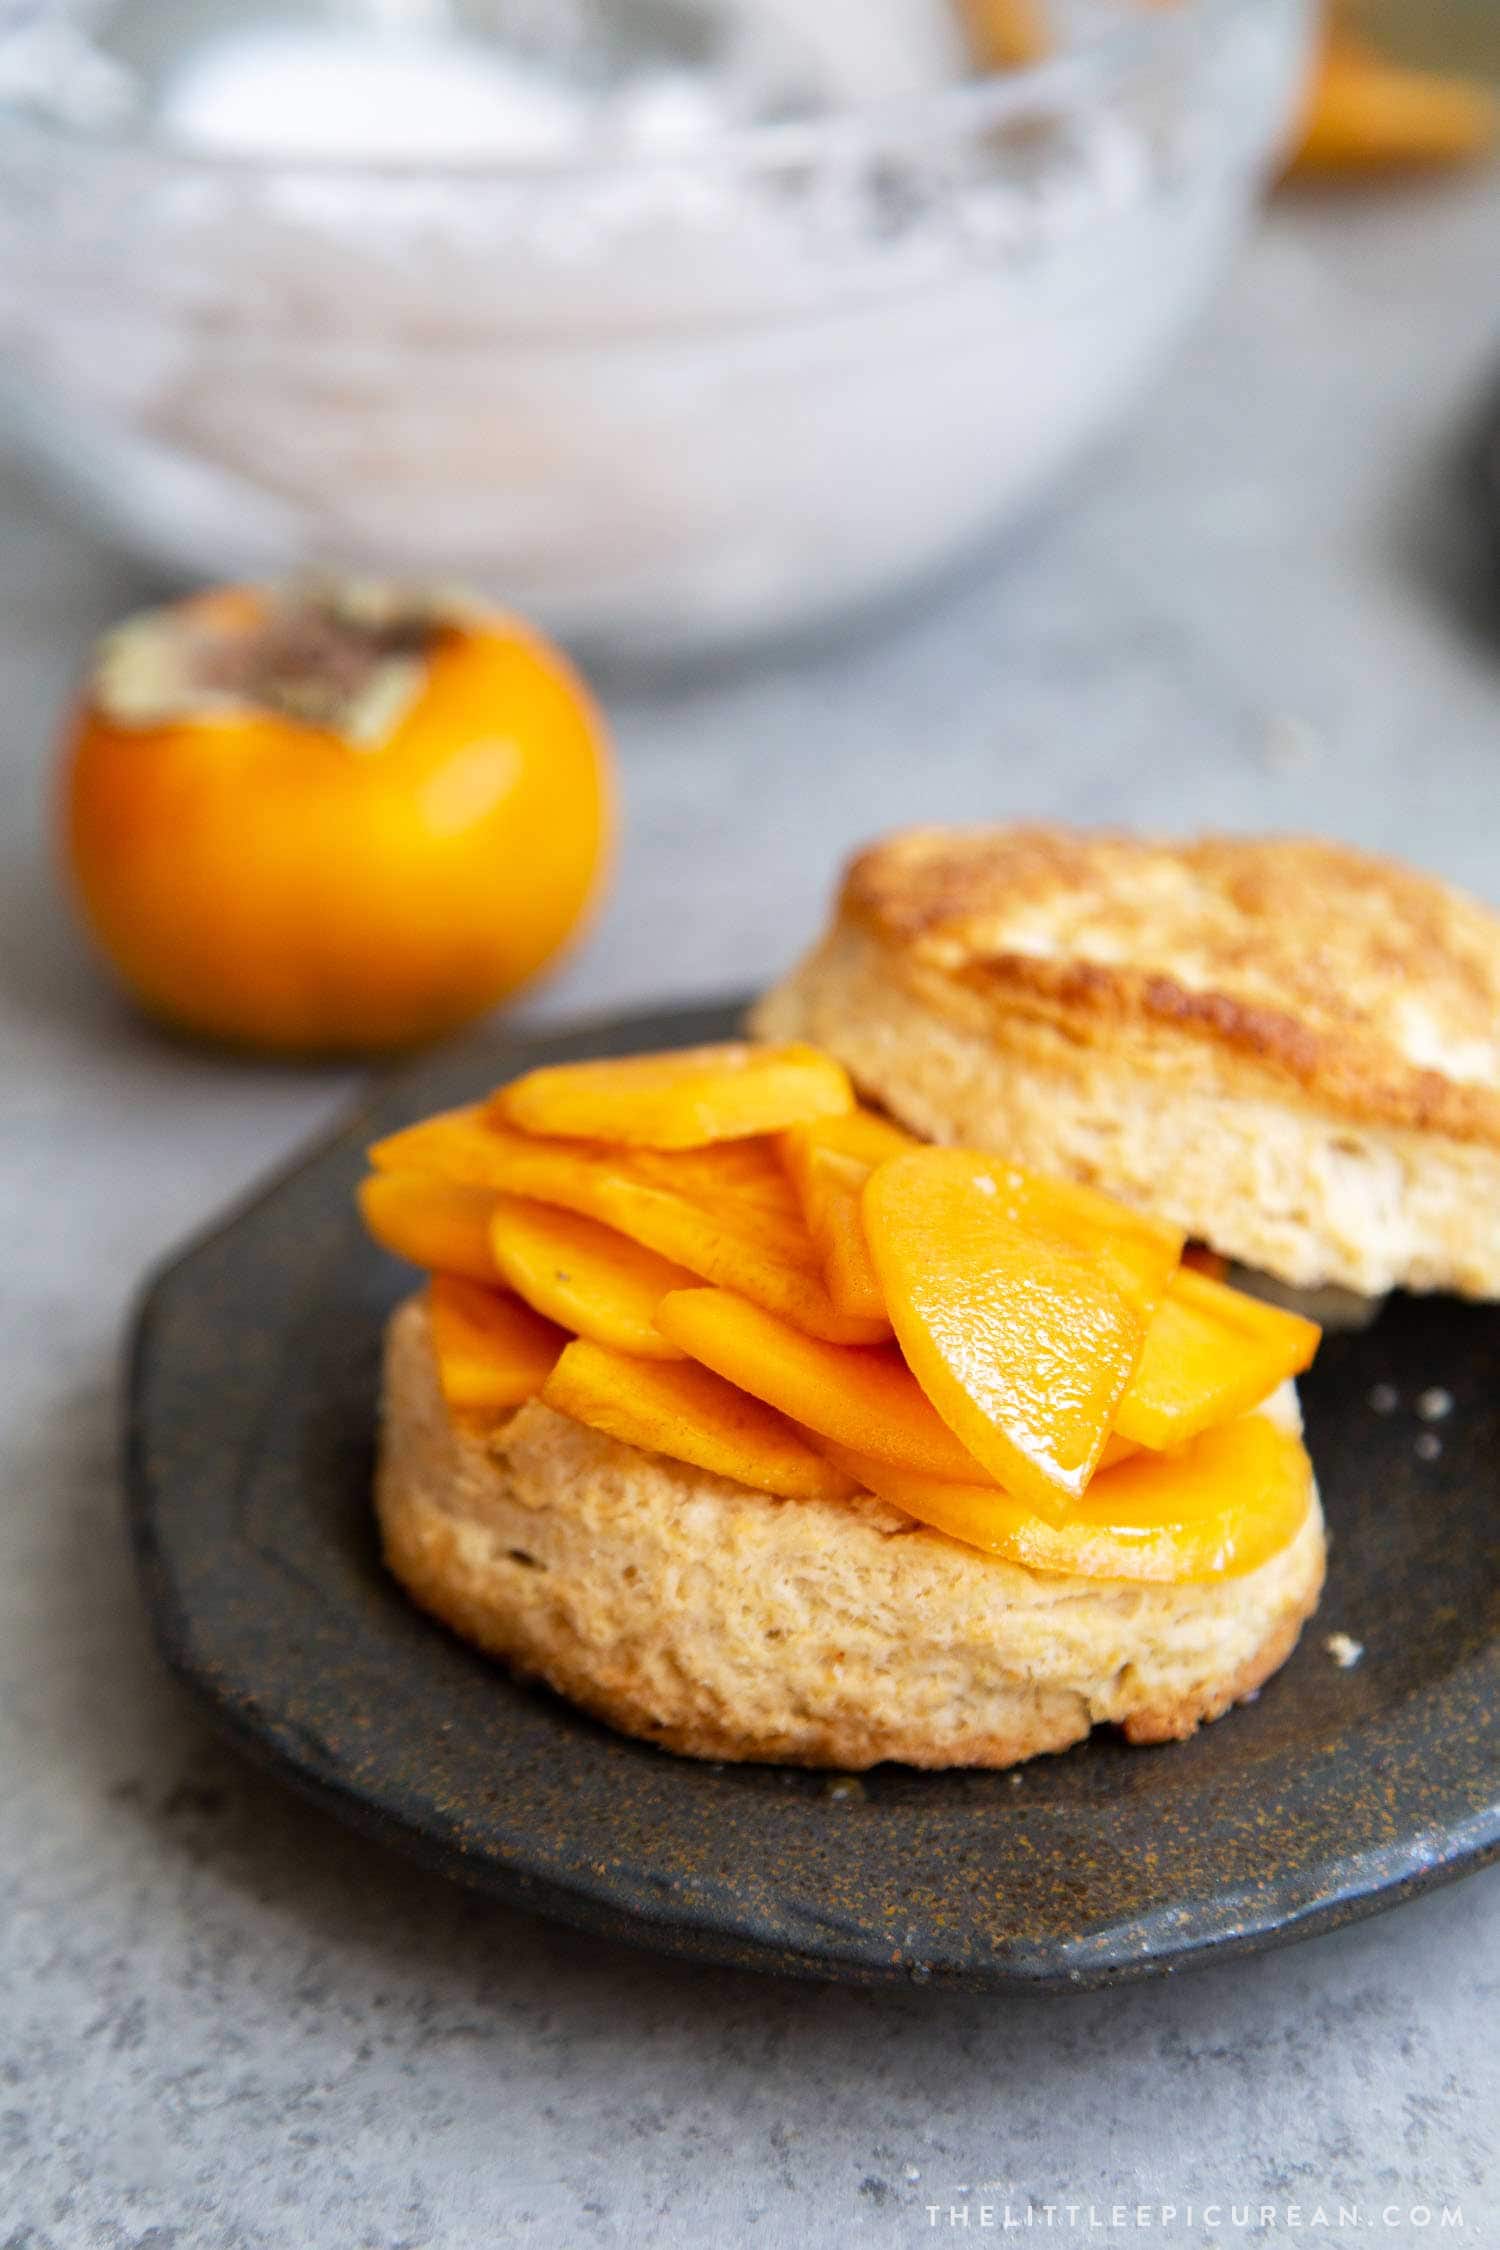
column 1138, row 1254
column 441, row 1224
column 492, row 1352
column 587, row 1277
column 864, row 1396
column 742, row 1245
column 459, row 1144
column 454, row 1144
column 726, row 1213
column 732, row 1176
column 1225, row 1504
column 828, row 1164
column 683, row 1099
column 1022, row 1343
column 1210, row 1354
column 682, row 1410
column 863, row 1133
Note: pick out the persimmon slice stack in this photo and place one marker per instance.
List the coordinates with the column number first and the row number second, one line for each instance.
column 721, row 1258
column 726, row 1215
column 688, row 1413
column 862, row 1396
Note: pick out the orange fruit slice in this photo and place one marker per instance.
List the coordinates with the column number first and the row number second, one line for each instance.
column 1228, row 1502
column 684, row 1411
column 828, row 1164
column 1138, row 1254
column 684, row 1099
column 1023, row 1344
column 441, row 1224
column 585, row 1276
column 453, row 1144
column 1211, row 1353
column 492, row 1353
column 859, row 1396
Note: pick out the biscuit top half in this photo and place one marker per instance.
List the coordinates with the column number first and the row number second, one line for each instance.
column 1373, row 987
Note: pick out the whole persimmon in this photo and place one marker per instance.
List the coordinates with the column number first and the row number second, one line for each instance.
column 332, row 817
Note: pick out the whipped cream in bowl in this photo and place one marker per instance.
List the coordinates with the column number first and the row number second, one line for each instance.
column 675, row 323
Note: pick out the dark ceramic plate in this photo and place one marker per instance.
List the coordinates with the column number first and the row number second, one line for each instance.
column 253, row 1393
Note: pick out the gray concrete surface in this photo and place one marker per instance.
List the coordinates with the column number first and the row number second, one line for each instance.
column 223, row 2022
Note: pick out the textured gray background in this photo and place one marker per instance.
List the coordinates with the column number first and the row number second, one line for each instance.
column 222, row 2021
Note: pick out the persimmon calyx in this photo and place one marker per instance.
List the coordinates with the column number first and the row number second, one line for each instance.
column 347, row 656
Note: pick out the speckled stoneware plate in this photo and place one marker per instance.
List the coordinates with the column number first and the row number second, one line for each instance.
column 1340, row 1790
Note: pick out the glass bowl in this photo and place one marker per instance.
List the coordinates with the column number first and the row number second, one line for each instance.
column 668, row 391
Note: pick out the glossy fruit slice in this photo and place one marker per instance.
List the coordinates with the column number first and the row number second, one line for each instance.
column 492, row 1353
column 453, row 1144
column 731, row 1176
column 1228, row 1502
column 683, row 1099
column 865, row 1397
column 828, row 1164
column 1138, row 1254
column 680, row 1409
column 1210, row 1353
column 1024, row 1345
column 585, row 1276
column 440, row 1224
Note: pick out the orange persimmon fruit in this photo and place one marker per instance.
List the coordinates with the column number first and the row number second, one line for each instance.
column 492, row 1352
column 1005, row 34
column 585, row 1276
column 1364, row 114
column 686, row 1098
column 334, row 819
column 1222, row 1506
column 682, row 1410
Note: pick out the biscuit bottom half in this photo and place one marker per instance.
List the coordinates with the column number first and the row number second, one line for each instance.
column 723, row 1623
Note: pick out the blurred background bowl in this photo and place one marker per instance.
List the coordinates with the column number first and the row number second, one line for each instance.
column 725, row 343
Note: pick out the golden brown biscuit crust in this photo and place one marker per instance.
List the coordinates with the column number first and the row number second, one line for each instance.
column 1371, row 988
